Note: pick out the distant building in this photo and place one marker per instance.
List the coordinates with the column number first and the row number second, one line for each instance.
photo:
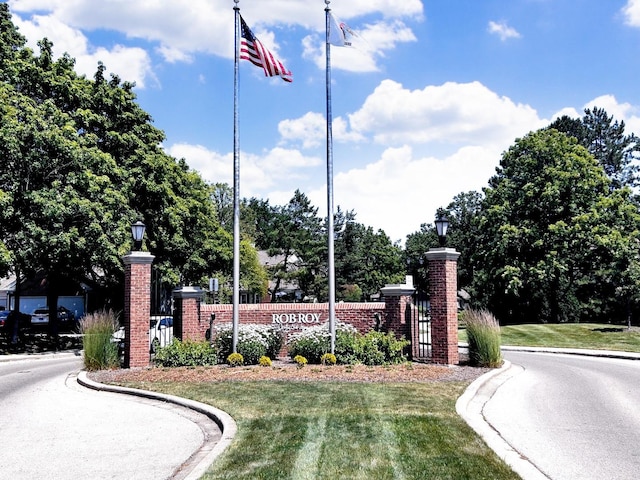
column 284, row 290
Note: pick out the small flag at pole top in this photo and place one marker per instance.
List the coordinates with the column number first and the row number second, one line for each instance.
column 252, row 49
column 340, row 34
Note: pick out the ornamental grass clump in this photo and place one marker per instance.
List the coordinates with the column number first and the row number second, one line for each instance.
column 98, row 342
column 254, row 342
column 483, row 335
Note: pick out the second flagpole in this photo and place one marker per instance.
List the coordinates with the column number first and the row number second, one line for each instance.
column 330, row 220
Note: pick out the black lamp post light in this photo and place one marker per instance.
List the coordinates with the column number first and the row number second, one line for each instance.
column 137, row 232
column 442, row 225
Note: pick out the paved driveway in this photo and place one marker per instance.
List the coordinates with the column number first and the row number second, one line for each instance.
column 574, row 417
column 52, row 428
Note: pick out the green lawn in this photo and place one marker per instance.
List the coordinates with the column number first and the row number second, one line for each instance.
column 573, row 335
column 342, row 430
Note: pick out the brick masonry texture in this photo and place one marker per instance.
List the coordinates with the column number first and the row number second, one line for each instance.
column 137, row 305
column 444, row 311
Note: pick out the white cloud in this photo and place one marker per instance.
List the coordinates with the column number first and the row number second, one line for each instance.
column 568, row 111
column 181, row 28
column 132, row 64
column 184, row 27
column 503, row 30
column 310, row 130
column 369, row 46
column 398, row 192
column 452, row 113
column 631, row 12
column 259, row 173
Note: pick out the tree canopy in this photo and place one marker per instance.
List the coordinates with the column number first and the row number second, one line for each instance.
column 81, row 161
column 552, row 236
column 364, row 260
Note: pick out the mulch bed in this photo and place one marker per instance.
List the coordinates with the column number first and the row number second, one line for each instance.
column 285, row 370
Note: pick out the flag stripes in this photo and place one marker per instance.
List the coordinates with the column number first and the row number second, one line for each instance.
column 251, row 49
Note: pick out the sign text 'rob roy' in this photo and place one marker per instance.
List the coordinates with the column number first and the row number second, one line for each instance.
column 289, row 318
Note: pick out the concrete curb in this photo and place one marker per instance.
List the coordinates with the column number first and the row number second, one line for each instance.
column 210, row 450
column 471, row 404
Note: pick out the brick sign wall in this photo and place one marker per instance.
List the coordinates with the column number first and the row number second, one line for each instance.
column 293, row 317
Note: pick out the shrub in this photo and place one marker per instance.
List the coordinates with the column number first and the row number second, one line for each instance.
column 483, row 335
column 99, row 344
column 351, row 347
column 391, row 347
column 235, row 360
column 300, row 361
column 313, row 342
column 328, row 359
column 254, row 341
column 186, row 354
column 264, row 361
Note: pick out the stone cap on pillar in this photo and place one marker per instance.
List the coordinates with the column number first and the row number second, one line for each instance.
column 188, row 292
column 138, row 257
column 442, row 253
column 399, row 289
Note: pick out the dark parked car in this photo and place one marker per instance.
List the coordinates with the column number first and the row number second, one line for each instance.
column 7, row 318
column 67, row 319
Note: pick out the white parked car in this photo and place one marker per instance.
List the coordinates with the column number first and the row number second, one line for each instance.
column 40, row 317
column 160, row 333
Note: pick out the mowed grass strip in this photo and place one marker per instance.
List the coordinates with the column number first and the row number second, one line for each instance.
column 572, row 335
column 342, row 430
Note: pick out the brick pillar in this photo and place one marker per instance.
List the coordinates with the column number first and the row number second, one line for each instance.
column 443, row 286
column 137, row 308
column 397, row 308
column 187, row 318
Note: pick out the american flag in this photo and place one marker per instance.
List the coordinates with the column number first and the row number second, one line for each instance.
column 251, row 49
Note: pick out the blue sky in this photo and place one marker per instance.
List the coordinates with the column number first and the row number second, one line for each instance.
column 424, row 104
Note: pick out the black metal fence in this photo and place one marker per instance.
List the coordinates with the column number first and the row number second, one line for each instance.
column 421, row 326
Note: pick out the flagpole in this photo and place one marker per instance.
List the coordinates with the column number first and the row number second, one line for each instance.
column 330, row 220
column 236, row 183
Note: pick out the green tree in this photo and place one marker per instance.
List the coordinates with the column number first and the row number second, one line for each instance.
column 80, row 162
column 58, row 190
column 606, row 140
column 365, row 258
column 550, row 233
column 462, row 236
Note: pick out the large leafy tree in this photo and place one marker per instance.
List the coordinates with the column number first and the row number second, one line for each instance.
column 80, row 162
column 60, row 192
column 551, row 234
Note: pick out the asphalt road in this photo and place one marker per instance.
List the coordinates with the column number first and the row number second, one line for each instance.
column 52, row 428
column 573, row 417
